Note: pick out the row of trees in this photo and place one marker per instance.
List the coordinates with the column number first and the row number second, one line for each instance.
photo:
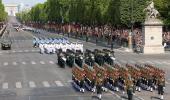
column 3, row 14
column 94, row 12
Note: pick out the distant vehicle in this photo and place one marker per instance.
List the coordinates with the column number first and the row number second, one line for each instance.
column 6, row 41
column 6, row 45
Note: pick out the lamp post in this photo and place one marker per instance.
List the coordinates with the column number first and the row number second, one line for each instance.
column 130, row 45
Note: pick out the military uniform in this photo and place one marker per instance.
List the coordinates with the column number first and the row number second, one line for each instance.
column 130, row 93
column 161, row 85
column 99, row 89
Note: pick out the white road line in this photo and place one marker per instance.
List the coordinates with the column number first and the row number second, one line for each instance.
column 5, row 63
column 46, row 84
column 51, row 62
column 156, row 62
column 42, row 62
column 116, row 95
column 26, row 50
column 24, row 63
column 18, row 85
column 166, row 62
column 58, row 83
column 14, row 63
column 149, row 62
column 13, row 51
column 20, row 51
column 32, row 84
column 7, row 52
column 32, row 62
column 5, row 86
column 69, row 81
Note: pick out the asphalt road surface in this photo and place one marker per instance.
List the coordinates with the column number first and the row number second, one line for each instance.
column 25, row 74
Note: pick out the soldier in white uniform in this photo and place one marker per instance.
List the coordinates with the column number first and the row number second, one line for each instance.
column 41, row 46
column 64, row 47
column 53, row 49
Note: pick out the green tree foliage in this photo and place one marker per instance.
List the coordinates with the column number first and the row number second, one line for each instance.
column 53, row 11
column 3, row 14
column 95, row 12
column 163, row 7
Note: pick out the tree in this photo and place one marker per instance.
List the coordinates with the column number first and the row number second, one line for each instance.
column 3, row 14
column 53, row 11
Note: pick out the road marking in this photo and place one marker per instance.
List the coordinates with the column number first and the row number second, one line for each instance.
column 51, row 62
column 18, row 85
column 116, row 95
column 42, row 62
column 13, row 51
column 32, row 62
column 32, row 84
column 14, row 63
column 149, row 62
column 20, row 51
column 166, row 62
column 46, row 84
column 69, row 81
column 33, row 50
column 24, row 63
column 25, row 50
column 58, row 83
column 5, row 63
column 7, row 52
column 5, row 86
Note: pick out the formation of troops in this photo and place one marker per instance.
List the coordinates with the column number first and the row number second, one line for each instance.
column 53, row 45
column 97, row 71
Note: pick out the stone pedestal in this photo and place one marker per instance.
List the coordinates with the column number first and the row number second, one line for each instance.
column 152, row 30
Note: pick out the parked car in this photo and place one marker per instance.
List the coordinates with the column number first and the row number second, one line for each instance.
column 6, row 45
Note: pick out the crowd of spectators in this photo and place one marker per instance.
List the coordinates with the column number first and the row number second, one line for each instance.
column 166, row 37
column 105, row 33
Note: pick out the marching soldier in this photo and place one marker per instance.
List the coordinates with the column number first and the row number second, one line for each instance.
column 161, row 85
column 130, row 92
column 99, row 89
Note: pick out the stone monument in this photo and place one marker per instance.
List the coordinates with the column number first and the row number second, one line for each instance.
column 152, row 30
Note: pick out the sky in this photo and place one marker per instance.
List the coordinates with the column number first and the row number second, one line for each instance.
column 29, row 2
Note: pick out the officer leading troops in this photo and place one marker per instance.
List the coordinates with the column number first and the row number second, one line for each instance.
column 99, row 89
column 161, row 84
column 130, row 92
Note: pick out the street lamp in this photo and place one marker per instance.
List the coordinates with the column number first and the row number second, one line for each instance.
column 130, row 45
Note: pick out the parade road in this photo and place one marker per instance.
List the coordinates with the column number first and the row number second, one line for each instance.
column 25, row 74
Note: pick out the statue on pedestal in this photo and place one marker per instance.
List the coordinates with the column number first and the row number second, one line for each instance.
column 150, row 10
